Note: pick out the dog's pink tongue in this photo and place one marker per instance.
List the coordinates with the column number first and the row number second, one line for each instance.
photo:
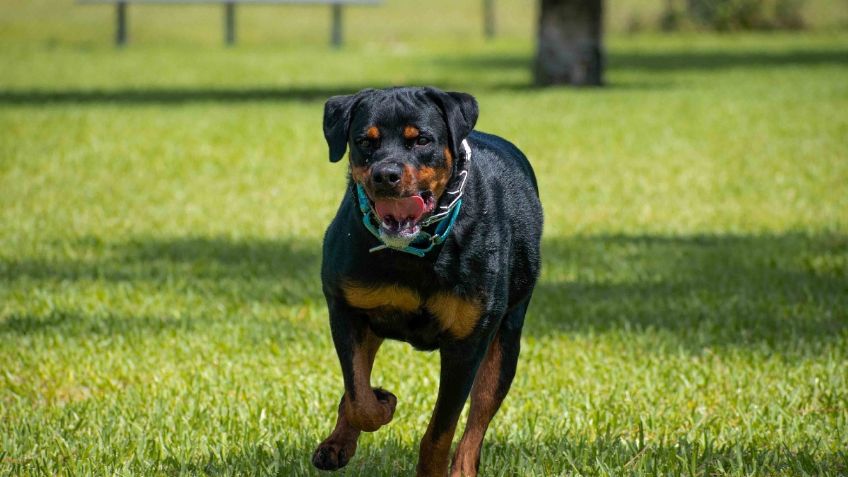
column 401, row 209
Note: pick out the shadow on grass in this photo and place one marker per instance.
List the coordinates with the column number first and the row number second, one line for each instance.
column 668, row 61
column 173, row 95
column 702, row 290
column 77, row 324
column 549, row 455
column 283, row 271
column 706, row 290
column 610, row 454
column 176, row 96
column 713, row 60
column 389, row 458
column 475, row 67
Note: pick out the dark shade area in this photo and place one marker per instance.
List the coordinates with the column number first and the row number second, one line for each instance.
column 648, row 61
column 669, row 61
column 174, row 95
column 784, row 291
column 577, row 454
column 780, row 290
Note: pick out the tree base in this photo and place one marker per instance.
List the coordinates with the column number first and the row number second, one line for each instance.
column 570, row 50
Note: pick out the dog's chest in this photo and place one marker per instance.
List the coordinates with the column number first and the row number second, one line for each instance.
column 403, row 312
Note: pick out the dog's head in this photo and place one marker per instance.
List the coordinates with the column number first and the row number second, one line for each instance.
column 403, row 148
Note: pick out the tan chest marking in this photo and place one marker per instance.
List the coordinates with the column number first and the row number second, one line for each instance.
column 457, row 315
column 369, row 297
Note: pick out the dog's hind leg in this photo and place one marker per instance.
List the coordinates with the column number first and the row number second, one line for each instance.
column 459, row 363
column 362, row 408
column 491, row 385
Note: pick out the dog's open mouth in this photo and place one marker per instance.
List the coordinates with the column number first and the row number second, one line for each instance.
column 400, row 217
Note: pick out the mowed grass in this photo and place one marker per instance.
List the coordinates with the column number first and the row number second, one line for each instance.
column 161, row 214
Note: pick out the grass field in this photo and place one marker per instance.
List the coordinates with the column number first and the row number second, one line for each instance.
column 161, row 211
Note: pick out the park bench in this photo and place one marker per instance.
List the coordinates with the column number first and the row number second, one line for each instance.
column 230, row 14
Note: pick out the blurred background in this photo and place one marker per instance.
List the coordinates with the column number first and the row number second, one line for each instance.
column 395, row 22
column 162, row 206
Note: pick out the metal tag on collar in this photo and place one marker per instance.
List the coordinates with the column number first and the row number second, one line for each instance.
column 446, row 209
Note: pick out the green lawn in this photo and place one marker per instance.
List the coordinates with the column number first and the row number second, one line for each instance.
column 162, row 207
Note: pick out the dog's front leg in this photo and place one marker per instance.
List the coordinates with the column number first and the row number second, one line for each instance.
column 362, row 408
column 459, row 363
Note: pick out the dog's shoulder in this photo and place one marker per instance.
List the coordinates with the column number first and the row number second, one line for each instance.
column 498, row 158
column 502, row 188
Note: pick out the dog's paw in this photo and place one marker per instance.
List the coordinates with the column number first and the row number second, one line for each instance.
column 371, row 414
column 333, row 455
column 389, row 403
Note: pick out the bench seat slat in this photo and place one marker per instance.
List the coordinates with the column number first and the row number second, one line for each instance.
column 230, row 13
column 194, row 2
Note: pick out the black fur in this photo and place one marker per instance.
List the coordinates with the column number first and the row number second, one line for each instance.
column 491, row 255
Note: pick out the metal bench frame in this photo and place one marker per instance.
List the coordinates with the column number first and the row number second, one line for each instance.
column 230, row 14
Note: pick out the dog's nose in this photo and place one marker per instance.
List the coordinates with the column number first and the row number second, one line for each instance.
column 386, row 175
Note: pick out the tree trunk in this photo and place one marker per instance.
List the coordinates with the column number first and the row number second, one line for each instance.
column 570, row 49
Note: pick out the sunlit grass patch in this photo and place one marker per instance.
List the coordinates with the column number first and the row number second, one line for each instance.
column 161, row 215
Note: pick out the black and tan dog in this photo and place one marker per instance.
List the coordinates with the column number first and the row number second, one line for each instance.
column 436, row 243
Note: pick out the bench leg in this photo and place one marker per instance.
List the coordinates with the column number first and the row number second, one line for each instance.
column 489, row 18
column 121, row 26
column 336, row 34
column 230, row 23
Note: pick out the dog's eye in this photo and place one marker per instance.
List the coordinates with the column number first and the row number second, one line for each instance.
column 364, row 142
column 422, row 141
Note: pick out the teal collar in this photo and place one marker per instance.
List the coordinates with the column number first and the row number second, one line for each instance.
column 424, row 241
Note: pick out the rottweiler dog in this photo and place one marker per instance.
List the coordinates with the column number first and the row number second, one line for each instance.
column 436, row 243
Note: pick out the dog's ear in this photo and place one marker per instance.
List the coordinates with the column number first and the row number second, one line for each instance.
column 460, row 113
column 337, row 114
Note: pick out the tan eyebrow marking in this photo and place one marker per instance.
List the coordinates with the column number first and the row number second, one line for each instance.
column 411, row 132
